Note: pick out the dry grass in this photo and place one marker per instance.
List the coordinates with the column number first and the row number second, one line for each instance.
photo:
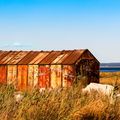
column 110, row 78
column 67, row 104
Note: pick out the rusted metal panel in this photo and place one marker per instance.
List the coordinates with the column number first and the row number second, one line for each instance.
column 71, row 59
column 4, row 54
column 32, row 76
column 1, row 52
column 68, row 75
column 18, row 57
column 29, row 57
column 60, row 58
column 50, row 57
column 8, row 57
column 56, row 76
column 3, row 72
column 22, row 77
column 39, row 58
column 44, row 76
column 12, row 75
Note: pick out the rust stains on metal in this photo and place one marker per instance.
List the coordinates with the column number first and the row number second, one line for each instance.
column 3, row 54
column 73, row 57
column 12, row 74
column 28, row 69
column 18, row 57
column 68, row 75
column 44, row 76
column 29, row 57
column 39, row 57
column 8, row 57
column 22, row 77
column 50, row 57
column 3, row 76
column 56, row 71
column 32, row 76
column 64, row 54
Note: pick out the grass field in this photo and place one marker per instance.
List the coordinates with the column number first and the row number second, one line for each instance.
column 67, row 104
column 112, row 78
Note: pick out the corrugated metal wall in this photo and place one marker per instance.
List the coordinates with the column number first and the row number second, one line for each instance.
column 56, row 76
column 32, row 76
column 44, row 76
column 22, row 77
column 68, row 75
column 3, row 74
column 12, row 74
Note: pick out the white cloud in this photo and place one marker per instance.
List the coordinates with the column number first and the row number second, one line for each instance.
column 16, row 46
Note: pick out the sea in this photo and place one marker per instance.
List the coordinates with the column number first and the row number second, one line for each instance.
column 109, row 69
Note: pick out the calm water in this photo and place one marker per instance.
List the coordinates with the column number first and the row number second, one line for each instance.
column 110, row 69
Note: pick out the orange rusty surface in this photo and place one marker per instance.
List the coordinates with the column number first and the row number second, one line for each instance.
column 3, row 76
column 12, row 74
column 72, row 58
column 32, row 76
column 68, row 75
column 8, row 57
column 65, row 57
column 56, row 76
column 29, row 57
column 22, row 77
column 51, row 56
column 18, row 57
column 39, row 58
column 44, row 76
column 3, row 54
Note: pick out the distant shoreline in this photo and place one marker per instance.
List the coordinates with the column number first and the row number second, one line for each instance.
column 109, row 69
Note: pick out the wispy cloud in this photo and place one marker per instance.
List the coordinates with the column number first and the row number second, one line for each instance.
column 16, row 46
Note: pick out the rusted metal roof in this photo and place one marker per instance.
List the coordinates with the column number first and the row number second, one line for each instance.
column 72, row 58
column 50, row 57
column 3, row 54
column 40, row 57
column 8, row 57
column 29, row 57
column 64, row 54
column 18, row 57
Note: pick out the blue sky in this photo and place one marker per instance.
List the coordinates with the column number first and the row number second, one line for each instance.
column 62, row 24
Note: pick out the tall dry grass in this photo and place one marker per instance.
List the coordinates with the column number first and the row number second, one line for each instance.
column 58, row 104
column 110, row 78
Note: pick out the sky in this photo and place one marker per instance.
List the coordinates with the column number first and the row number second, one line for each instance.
column 62, row 24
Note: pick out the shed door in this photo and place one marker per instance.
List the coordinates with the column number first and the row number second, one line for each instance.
column 22, row 77
column 3, row 73
column 44, row 76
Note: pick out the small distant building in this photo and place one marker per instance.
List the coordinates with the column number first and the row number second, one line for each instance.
column 44, row 69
